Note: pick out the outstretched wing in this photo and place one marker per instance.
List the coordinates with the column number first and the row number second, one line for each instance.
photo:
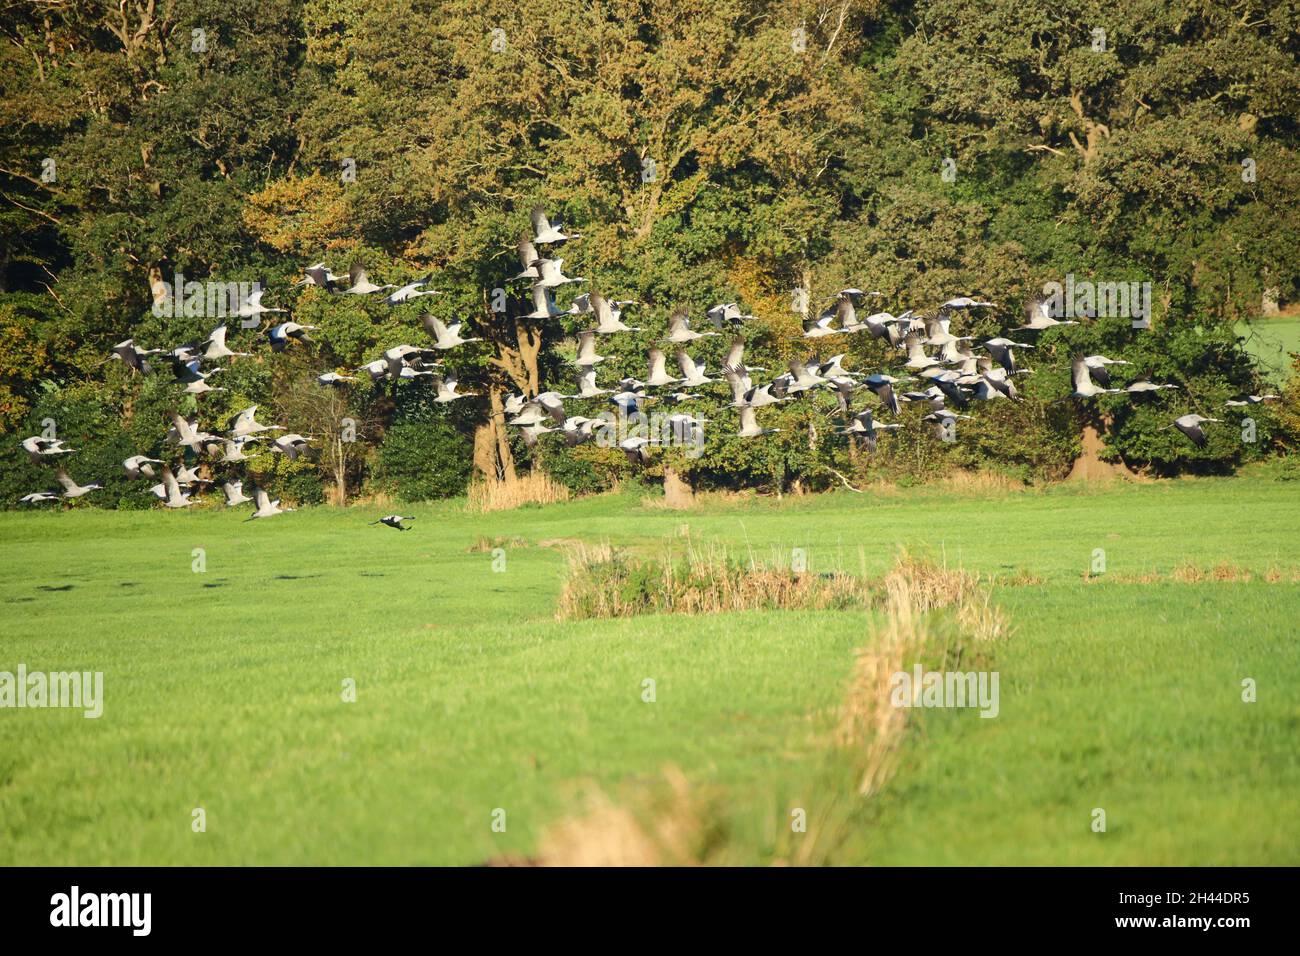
column 540, row 223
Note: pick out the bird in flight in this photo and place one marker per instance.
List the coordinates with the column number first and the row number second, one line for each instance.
column 395, row 521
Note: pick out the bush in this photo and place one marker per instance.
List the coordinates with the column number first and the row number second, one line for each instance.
column 729, row 462
column 102, row 440
column 1023, row 440
column 584, row 470
column 297, row 482
column 426, row 456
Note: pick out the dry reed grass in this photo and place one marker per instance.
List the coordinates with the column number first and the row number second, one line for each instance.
column 1190, row 573
column 671, row 823
column 914, row 591
column 674, row 824
column 1146, row 577
column 702, row 500
column 871, row 724
column 930, row 586
column 534, row 488
column 1022, row 579
column 962, row 481
column 604, row 582
column 375, row 499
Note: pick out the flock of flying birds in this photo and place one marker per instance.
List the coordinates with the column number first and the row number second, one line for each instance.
column 944, row 382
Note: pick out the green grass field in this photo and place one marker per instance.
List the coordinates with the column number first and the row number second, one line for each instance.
column 224, row 688
column 1271, row 341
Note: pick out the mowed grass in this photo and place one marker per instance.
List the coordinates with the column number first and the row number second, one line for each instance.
column 1272, row 341
column 224, row 688
column 1125, row 698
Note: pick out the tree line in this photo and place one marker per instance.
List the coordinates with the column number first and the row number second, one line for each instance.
column 768, row 153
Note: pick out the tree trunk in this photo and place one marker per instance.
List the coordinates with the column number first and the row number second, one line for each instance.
column 1089, row 465
column 340, row 473
column 485, row 450
column 505, row 457
column 492, row 456
column 678, row 492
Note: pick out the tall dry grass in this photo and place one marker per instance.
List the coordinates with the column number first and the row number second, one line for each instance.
column 375, row 499
column 485, row 544
column 930, row 610
column 534, row 488
column 703, row 501
column 670, row 824
column 983, row 481
column 930, row 586
column 871, row 724
column 604, row 582
column 707, row 578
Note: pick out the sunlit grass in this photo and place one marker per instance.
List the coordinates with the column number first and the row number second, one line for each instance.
column 224, row 687
column 1271, row 341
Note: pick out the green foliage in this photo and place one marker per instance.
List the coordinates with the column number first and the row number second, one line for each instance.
column 102, row 441
column 295, row 482
column 584, row 469
column 703, row 156
column 1027, row 441
column 425, row 454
